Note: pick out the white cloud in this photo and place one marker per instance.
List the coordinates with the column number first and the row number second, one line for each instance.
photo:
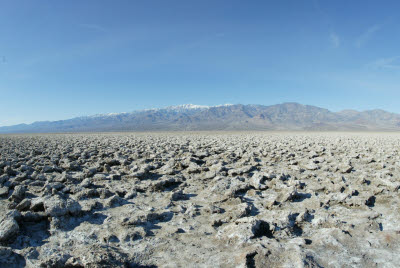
column 366, row 36
column 335, row 40
column 385, row 63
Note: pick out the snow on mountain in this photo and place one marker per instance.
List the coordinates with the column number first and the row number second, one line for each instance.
column 175, row 108
column 184, row 107
column 285, row 116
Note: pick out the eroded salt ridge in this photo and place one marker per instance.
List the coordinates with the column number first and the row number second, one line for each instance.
column 200, row 200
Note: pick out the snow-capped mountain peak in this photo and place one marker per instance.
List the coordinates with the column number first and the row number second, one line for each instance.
column 176, row 108
column 286, row 116
column 187, row 107
column 194, row 107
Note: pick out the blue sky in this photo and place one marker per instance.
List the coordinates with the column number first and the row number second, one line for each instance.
column 61, row 59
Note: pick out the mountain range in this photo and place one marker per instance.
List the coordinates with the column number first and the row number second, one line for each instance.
column 285, row 116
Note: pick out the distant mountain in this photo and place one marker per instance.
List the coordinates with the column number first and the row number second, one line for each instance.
column 286, row 116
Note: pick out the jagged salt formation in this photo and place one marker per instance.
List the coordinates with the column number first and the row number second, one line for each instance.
column 200, row 200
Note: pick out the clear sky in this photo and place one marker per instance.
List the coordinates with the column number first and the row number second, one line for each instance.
column 61, row 59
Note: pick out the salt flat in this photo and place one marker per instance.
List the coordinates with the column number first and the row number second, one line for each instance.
column 200, row 199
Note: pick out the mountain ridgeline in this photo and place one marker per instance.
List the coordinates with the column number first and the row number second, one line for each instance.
column 286, row 116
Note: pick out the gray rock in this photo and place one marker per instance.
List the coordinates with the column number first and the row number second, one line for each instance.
column 240, row 171
column 18, row 193
column 311, row 166
column 345, row 168
column 9, row 229
column 10, row 171
column 257, row 181
column 114, row 201
column 3, row 179
column 131, row 194
column 56, row 206
column 10, row 259
column 243, row 230
column 3, row 191
column 178, row 195
column 23, row 205
column 86, row 183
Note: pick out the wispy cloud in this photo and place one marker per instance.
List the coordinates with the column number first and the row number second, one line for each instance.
column 335, row 40
column 367, row 35
column 385, row 63
column 94, row 27
column 327, row 21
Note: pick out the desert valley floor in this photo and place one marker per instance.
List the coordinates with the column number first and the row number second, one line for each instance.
column 243, row 199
